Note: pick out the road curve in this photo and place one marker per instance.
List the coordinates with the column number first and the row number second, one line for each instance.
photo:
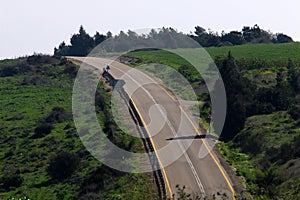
column 202, row 176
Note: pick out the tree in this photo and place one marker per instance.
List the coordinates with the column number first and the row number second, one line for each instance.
column 251, row 34
column 247, row 34
column 234, row 37
column 63, row 50
column 132, row 35
column 294, row 109
column 213, row 40
column 283, row 93
column 264, row 101
column 238, row 92
column 293, row 76
column 108, row 34
column 200, row 31
column 206, row 39
column 99, row 38
column 256, row 31
column 82, row 43
column 256, row 35
column 282, row 38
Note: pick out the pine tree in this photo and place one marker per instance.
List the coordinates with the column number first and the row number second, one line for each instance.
column 81, row 43
column 293, row 76
column 238, row 92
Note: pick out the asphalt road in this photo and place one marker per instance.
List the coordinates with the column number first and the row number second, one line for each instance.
column 167, row 119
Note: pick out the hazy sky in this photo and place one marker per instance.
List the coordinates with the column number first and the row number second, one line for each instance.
column 29, row 26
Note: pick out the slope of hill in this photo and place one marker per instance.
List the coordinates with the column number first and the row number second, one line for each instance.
column 265, row 151
column 265, row 155
column 41, row 154
column 267, row 52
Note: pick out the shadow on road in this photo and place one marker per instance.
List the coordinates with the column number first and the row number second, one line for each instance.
column 118, row 85
column 204, row 136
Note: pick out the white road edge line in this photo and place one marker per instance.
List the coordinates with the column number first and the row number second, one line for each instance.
column 174, row 133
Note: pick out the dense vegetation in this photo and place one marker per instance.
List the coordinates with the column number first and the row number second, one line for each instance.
column 253, row 35
column 82, row 43
column 262, row 127
column 41, row 154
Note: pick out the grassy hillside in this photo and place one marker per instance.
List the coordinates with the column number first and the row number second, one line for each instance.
column 266, row 156
column 258, row 62
column 265, row 153
column 41, row 154
column 266, row 52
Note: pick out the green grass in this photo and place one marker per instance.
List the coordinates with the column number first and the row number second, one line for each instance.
column 271, row 52
column 258, row 62
column 131, row 187
column 245, row 168
column 22, row 106
column 159, row 57
column 26, row 99
column 263, row 154
column 265, row 132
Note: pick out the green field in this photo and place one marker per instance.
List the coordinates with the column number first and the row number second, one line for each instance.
column 267, row 52
column 258, row 62
column 271, row 52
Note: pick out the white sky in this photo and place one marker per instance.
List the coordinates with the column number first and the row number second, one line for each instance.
column 29, row 26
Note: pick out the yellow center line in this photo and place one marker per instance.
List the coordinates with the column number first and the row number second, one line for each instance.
column 204, row 142
column 153, row 144
column 198, row 132
column 154, row 147
column 211, row 154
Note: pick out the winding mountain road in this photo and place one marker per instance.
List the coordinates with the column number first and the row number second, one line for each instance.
column 202, row 175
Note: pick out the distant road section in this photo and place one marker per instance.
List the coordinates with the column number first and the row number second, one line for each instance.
column 202, row 176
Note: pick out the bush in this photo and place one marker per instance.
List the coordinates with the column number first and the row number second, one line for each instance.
column 62, row 165
column 8, row 71
column 42, row 130
column 70, row 69
column 58, row 114
column 38, row 59
column 12, row 69
column 294, row 111
column 99, row 101
column 35, row 80
column 96, row 180
column 294, row 108
column 14, row 180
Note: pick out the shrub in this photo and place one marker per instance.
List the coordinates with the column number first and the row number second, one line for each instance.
column 294, row 111
column 11, row 180
column 58, row 114
column 35, row 80
column 42, row 130
column 70, row 69
column 96, row 180
column 8, row 71
column 41, row 59
column 62, row 165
